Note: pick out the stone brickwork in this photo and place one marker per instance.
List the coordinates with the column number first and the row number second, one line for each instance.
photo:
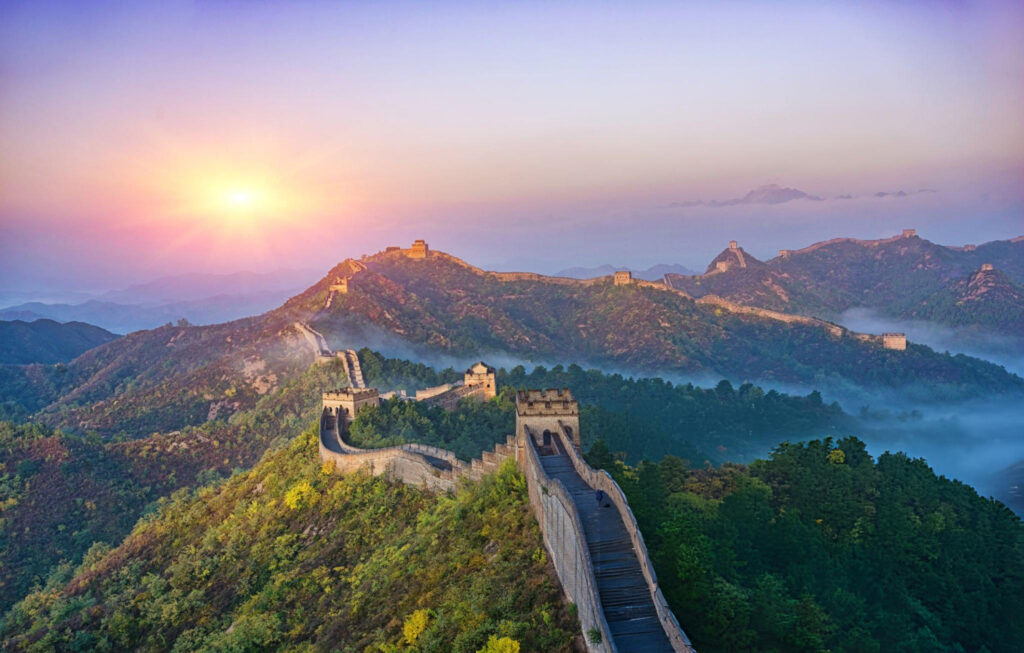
column 897, row 341
column 346, row 402
column 547, row 411
column 481, row 376
column 544, row 418
column 623, row 278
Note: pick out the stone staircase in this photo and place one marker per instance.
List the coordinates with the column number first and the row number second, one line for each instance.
column 625, row 598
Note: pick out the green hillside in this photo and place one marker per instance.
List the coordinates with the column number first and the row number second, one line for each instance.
column 821, row 548
column 899, row 278
column 291, row 556
column 443, row 303
column 61, row 493
column 46, row 341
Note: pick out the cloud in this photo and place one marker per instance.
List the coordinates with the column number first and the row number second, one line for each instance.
column 768, row 194
column 775, row 194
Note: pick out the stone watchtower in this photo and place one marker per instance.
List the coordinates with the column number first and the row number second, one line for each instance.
column 420, row 249
column 482, row 375
column 541, row 413
column 733, row 244
column 897, row 341
column 909, row 233
column 346, row 402
column 985, row 267
column 623, row 278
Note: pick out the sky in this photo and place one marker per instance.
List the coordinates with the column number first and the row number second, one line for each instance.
column 140, row 139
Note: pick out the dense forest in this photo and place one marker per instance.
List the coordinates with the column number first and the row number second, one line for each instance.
column 819, row 548
column 291, row 555
column 443, row 304
column 60, row 492
column 644, row 418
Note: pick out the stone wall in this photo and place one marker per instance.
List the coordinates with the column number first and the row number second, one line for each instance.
column 562, row 532
column 602, row 480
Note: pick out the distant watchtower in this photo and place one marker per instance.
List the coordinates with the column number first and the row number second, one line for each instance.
column 541, row 413
column 623, row 277
column 346, row 402
column 897, row 341
column 784, row 253
column 481, row 375
column 419, row 249
column 733, row 244
column 340, row 286
column 987, row 266
column 909, row 233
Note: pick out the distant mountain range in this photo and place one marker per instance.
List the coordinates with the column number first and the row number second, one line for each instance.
column 196, row 298
column 775, row 194
column 904, row 277
column 653, row 273
column 46, row 341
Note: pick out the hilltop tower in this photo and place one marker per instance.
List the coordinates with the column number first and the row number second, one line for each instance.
column 733, row 244
column 623, row 278
column 346, row 402
column 340, row 286
column 482, row 375
column 897, row 341
column 784, row 253
column 541, row 413
column 987, row 266
column 419, row 249
column 909, row 233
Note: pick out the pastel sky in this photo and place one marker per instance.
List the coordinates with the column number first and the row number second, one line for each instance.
column 147, row 138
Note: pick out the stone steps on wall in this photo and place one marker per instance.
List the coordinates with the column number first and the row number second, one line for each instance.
column 625, row 598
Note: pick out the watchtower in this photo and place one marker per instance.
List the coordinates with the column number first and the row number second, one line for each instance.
column 733, row 244
column 346, row 402
column 482, row 375
column 909, row 233
column 897, row 341
column 986, row 267
column 340, row 286
column 419, row 249
column 623, row 277
column 542, row 413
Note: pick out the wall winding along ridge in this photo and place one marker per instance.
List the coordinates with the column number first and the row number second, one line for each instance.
column 634, row 618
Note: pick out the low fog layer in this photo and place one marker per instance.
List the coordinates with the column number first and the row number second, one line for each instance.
column 974, row 441
column 1002, row 350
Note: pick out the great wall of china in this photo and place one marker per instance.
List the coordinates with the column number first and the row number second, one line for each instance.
column 420, row 250
column 595, row 547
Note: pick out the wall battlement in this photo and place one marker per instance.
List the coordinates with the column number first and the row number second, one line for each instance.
column 557, row 510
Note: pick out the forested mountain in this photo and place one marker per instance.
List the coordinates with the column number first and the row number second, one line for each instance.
column 902, row 277
column 111, row 482
column 442, row 302
column 290, row 555
column 46, row 341
column 60, row 493
column 821, row 548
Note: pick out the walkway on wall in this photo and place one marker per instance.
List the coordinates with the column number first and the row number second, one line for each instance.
column 625, row 598
column 354, row 371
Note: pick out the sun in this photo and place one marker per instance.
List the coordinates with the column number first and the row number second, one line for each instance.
column 240, row 198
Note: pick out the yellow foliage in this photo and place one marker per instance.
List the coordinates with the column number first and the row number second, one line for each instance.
column 497, row 644
column 837, row 456
column 414, row 625
column 300, row 495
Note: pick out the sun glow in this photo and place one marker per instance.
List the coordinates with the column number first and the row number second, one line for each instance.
column 240, row 198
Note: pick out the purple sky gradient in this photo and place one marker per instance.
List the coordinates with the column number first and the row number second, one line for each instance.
column 516, row 135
